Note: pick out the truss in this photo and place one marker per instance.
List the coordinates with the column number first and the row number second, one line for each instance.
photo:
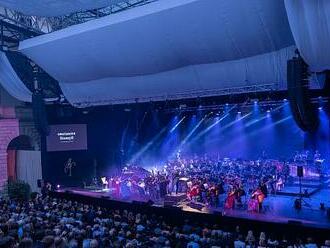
column 58, row 23
column 188, row 95
column 15, row 26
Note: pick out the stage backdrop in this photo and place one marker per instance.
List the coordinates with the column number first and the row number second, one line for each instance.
column 148, row 137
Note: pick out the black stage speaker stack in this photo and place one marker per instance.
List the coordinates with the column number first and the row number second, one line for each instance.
column 39, row 112
column 40, row 183
column 300, row 171
column 303, row 111
column 143, row 204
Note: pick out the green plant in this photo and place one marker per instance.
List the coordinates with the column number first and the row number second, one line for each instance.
column 18, row 190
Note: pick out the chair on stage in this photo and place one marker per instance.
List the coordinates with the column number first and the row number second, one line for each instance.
column 279, row 185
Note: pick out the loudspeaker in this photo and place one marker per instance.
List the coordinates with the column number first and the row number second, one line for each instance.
column 218, row 213
column 175, row 208
column 39, row 112
column 168, row 203
column 300, row 171
column 297, row 204
column 141, row 203
column 294, row 222
column 304, row 113
column 40, row 183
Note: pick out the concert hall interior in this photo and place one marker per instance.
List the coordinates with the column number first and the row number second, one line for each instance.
column 164, row 123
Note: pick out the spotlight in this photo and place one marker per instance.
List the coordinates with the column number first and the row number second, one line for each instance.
column 320, row 108
column 227, row 104
column 239, row 112
column 268, row 111
column 285, row 100
column 255, row 102
column 58, row 186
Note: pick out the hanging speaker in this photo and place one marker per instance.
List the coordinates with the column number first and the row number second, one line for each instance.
column 39, row 112
column 303, row 111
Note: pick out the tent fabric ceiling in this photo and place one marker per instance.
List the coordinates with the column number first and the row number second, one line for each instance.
column 310, row 25
column 10, row 81
column 164, row 40
column 49, row 8
column 161, row 36
column 196, row 80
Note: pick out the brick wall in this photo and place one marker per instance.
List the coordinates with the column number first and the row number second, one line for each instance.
column 9, row 129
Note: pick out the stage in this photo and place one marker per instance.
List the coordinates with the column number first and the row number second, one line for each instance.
column 277, row 209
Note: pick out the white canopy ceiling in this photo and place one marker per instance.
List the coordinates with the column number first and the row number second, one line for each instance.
column 310, row 25
column 10, row 81
column 152, row 46
column 54, row 7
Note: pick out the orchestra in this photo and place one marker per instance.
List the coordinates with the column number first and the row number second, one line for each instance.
column 231, row 184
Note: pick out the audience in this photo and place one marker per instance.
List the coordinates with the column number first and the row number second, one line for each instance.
column 54, row 223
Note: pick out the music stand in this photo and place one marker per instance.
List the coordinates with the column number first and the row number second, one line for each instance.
column 301, row 201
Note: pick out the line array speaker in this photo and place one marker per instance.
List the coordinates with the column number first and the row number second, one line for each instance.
column 39, row 113
column 304, row 113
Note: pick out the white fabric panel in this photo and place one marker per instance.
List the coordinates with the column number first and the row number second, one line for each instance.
column 162, row 36
column 28, row 167
column 189, row 81
column 310, row 24
column 55, row 7
column 11, row 82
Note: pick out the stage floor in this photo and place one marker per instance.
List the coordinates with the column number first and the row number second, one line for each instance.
column 277, row 209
